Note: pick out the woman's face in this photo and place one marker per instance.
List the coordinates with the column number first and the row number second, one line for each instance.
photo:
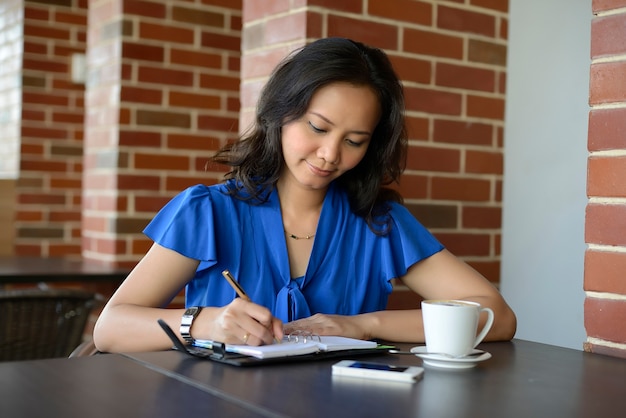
column 331, row 137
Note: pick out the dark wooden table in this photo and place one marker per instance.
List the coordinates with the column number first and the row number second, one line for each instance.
column 522, row 379
column 25, row 270
column 104, row 386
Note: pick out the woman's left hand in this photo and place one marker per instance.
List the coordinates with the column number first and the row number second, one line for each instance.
column 323, row 324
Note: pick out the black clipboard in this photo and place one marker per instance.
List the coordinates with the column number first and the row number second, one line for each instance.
column 219, row 354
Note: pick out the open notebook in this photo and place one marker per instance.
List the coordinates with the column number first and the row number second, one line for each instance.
column 295, row 346
column 301, row 348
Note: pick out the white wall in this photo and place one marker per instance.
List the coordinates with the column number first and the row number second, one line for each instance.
column 546, row 168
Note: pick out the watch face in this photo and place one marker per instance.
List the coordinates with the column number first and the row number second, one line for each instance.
column 193, row 311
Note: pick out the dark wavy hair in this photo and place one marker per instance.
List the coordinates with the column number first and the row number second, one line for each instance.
column 256, row 160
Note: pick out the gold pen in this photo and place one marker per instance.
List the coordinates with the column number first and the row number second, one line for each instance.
column 233, row 283
column 242, row 293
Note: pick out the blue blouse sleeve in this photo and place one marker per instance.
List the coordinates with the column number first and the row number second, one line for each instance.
column 409, row 242
column 186, row 224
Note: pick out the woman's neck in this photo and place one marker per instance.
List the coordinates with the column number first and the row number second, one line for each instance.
column 300, row 208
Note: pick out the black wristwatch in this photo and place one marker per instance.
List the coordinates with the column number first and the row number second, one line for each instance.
column 185, row 323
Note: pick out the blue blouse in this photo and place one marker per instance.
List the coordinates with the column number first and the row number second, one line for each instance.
column 349, row 269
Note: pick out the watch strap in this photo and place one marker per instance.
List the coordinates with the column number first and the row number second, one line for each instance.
column 186, row 321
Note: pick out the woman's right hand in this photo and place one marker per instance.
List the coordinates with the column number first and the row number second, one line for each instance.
column 239, row 322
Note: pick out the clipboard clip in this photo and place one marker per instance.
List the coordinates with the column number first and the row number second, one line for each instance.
column 217, row 352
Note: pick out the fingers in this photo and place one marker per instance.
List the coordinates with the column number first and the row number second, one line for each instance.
column 264, row 332
column 277, row 329
column 252, row 324
column 322, row 324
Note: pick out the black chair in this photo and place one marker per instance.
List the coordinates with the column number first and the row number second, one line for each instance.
column 42, row 323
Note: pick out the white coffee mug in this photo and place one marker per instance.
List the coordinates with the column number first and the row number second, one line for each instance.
column 450, row 326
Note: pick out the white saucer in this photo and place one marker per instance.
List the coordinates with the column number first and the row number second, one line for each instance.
column 443, row 362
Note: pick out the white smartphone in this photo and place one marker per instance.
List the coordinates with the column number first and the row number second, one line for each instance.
column 377, row 371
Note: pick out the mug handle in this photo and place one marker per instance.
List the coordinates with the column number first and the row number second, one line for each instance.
column 487, row 327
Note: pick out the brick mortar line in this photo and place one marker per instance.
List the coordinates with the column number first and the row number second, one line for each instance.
column 607, row 106
column 364, row 17
column 607, row 201
column 453, row 145
column 458, row 90
column 455, row 175
column 439, row 202
column 499, row 123
column 606, row 248
column 605, row 343
column 611, row 12
column 370, row 17
column 608, row 153
column 605, row 295
column 609, row 59
column 413, row 55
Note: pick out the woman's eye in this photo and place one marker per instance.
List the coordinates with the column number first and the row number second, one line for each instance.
column 353, row 143
column 315, row 128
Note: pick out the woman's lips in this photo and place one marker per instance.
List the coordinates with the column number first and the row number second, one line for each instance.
column 318, row 171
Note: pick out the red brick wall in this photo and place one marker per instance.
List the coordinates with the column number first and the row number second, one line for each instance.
column 163, row 93
column 451, row 57
column 605, row 229
column 163, row 96
column 48, row 194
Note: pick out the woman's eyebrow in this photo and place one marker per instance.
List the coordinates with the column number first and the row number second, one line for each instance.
column 332, row 124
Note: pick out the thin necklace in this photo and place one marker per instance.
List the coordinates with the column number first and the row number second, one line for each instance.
column 292, row 236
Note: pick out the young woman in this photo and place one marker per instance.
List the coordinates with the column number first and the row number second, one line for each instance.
column 303, row 221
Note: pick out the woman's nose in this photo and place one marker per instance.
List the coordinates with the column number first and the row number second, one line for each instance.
column 329, row 151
